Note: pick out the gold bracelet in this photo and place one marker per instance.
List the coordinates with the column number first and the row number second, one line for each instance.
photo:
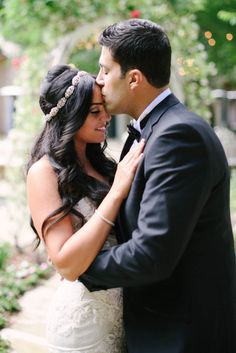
column 104, row 218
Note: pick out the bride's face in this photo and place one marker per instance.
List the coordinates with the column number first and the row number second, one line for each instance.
column 94, row 129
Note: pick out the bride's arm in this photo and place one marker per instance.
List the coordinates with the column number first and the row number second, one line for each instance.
column 73, row 252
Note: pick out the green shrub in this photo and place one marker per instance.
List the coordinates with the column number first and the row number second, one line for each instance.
column 15, row 280
column 2, row 322
column 5, row 252
column 4, row 346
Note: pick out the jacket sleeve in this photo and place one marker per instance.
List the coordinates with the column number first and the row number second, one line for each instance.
column 177, row 173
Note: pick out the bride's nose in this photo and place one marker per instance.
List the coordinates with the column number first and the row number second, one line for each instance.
column 105, row 116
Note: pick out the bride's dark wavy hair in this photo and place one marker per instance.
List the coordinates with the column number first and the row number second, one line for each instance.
column 56, row 141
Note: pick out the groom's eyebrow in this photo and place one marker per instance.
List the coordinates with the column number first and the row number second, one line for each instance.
column 103, row 66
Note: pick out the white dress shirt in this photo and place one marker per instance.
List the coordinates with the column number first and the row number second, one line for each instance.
column 148, row 109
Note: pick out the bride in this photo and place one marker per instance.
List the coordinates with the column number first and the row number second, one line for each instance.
column 74, row 195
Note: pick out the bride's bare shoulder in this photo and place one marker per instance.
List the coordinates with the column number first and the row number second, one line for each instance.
column 41, row 169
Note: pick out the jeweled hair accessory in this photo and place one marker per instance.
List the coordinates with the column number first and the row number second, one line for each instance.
column 53, row 112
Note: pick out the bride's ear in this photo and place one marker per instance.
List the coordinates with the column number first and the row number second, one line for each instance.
column 135, row 78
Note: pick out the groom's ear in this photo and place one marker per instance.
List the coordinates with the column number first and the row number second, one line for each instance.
column 135, row 78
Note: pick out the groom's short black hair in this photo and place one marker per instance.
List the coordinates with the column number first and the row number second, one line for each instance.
column 140, row 44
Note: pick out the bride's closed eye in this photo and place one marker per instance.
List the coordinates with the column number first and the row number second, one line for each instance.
column 95, row 112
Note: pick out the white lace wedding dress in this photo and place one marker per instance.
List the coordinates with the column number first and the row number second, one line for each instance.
column 80, row 321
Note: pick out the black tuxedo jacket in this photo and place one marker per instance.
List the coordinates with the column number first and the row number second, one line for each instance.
column 176, row 257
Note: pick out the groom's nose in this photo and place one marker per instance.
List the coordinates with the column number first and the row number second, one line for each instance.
column 99, row 79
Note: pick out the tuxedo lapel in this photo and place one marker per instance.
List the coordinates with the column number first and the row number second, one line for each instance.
column 156, row 114
column 151, row 119
column 128, row 143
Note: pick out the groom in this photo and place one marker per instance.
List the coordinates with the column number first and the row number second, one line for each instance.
column 176, row 257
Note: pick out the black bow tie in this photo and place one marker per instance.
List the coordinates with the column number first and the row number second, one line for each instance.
column 133, row 132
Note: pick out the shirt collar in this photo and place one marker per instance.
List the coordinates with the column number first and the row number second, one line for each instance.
column 149, row 108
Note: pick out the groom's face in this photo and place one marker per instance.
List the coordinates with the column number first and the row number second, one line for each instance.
column 115, row 87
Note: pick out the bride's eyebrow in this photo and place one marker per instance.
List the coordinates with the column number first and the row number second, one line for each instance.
column 93, row 105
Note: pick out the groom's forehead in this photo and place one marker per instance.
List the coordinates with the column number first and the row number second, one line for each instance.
column 106, row 64
column 106, row 55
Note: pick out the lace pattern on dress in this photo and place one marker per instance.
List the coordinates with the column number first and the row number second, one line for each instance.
column 80, row 321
